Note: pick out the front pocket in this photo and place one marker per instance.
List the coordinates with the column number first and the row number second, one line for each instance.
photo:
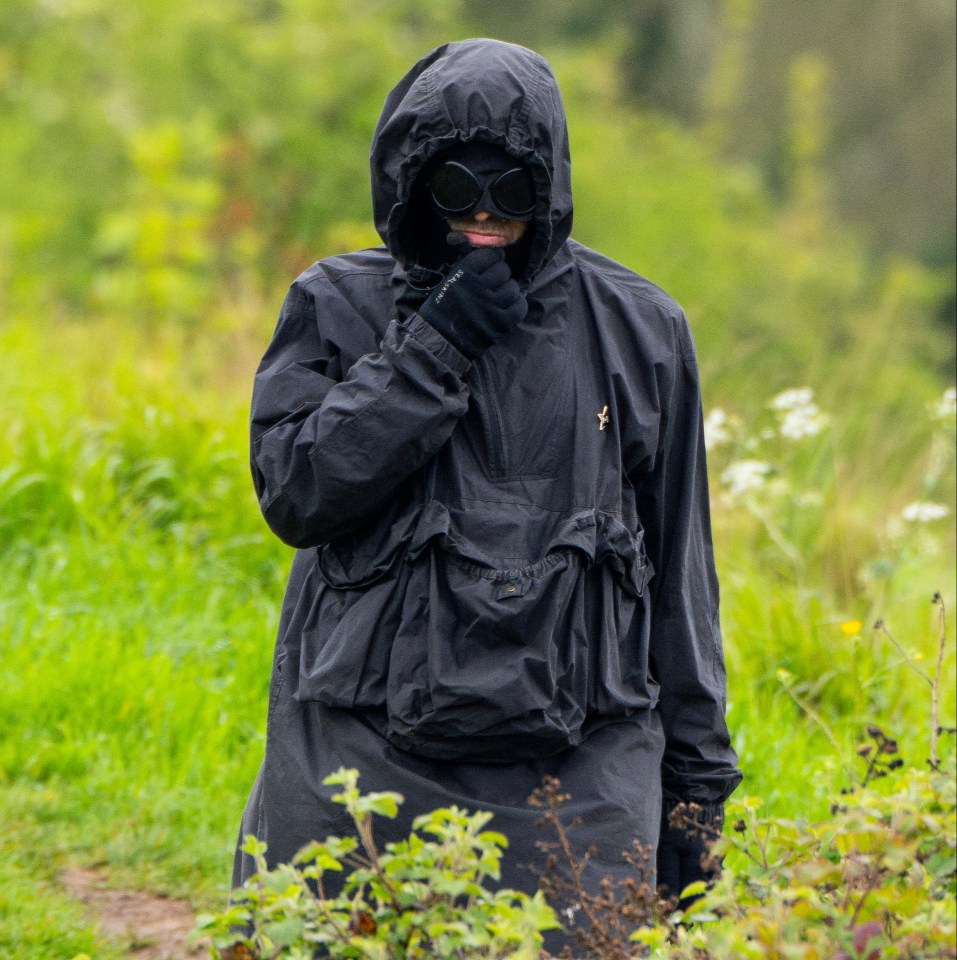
column 354, row 600
column 345, row 644
column 500, row 663
column 477, row 667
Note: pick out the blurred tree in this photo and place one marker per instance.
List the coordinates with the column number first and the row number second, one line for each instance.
column 150, row 144
column 172, row 160
column 891, row 91
column 893, row 118
column 544, row 23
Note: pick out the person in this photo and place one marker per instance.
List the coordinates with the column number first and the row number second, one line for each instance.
column 485, row 441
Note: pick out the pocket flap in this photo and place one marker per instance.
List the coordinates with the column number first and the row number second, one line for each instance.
column 366, row 556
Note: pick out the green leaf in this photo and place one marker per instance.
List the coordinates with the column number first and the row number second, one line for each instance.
column 280, row 880
column 253, row 846
column 694, row 889
column 342, row 777
column 284, row 933
column 492, row 836
column 384, row 804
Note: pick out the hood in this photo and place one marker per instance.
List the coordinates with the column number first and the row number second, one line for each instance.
column 474, row 90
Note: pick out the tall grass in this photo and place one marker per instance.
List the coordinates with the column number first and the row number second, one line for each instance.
column 138, row 607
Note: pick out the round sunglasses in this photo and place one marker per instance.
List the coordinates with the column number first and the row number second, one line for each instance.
column 457, row 191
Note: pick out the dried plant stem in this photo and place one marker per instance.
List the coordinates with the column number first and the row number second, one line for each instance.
column 882, row 628
column 577, row 868
column 935, row 686
column 777, row 537
column 816, row 717
column 364, row 829
column 873, row 882
column 932, row 682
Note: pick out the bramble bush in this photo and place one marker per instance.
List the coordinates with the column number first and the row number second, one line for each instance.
column 876, row 880
column 418, row 898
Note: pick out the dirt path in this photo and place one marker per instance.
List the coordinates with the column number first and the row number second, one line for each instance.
column 152, row 927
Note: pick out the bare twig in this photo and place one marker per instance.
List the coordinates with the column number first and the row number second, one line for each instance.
column 938, row 601
column 879, row 751
column 881, row 627
column 873, row 881
column 366, row 837
column 613, row 909
column 785, row 680
column 932, row 682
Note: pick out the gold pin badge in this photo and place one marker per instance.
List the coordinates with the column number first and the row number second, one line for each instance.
column 603, row 417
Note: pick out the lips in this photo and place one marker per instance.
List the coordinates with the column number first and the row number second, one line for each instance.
column 478, row 239
column 488, row 231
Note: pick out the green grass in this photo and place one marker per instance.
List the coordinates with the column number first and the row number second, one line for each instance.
column 138, row 605
column 36, row 921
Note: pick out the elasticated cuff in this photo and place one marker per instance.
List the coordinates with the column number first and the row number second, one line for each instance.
column 435, row 343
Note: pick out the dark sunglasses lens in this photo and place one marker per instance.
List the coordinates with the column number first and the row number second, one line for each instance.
column 514, row 192
column 454, row 189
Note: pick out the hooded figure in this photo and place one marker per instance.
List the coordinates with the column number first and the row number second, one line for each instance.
column 489, row 455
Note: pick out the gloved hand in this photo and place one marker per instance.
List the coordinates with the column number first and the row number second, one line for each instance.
column 683, row 854
column 477, row 303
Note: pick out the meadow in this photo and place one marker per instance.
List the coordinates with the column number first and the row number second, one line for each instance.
column 141, row 588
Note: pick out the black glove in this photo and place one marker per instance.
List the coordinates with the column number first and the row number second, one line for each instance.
column 477, row 303
column 683, row 855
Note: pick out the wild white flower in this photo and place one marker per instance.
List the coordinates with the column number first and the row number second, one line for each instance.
column 924, row 511
column 745, row 476
column 947, row 405
column 896, row 528
column 802, row 422
column 716, row 429
column 793, row 399
column 798, row 415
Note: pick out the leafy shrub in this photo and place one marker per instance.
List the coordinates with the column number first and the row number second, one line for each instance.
column 875, row 881
column 417, row 898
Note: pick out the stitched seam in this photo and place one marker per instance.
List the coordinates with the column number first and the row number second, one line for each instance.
column 664, row 301
column 317, row 280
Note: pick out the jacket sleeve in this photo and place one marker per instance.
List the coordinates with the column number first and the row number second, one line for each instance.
column 329, row 447
column 699, row 764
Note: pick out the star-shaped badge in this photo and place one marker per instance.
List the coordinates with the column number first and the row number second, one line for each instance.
column 603, row 417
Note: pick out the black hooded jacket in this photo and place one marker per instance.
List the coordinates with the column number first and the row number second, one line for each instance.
column 495, row 559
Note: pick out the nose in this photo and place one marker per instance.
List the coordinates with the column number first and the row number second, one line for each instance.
column 482, row 215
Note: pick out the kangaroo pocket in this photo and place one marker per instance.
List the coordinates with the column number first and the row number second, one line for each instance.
column 496, row 662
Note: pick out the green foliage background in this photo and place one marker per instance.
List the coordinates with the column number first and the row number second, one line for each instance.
column 167, row 168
